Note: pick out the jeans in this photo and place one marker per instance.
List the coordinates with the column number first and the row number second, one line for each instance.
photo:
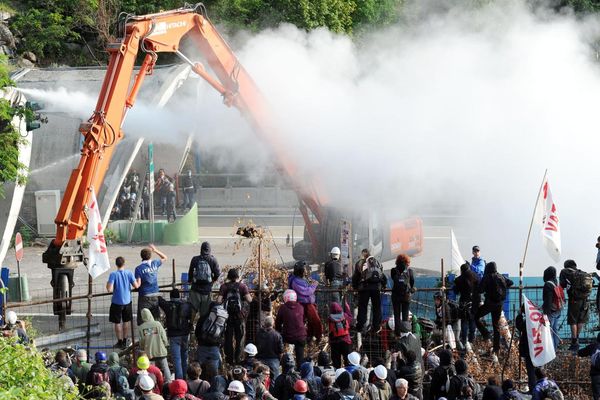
column 209, row 355
column 188, row 195
column 235, row 329
column 336, row 297
column 179, row 353
column 467, row 325
column 363, row 303
column 274, row 365
column 553, row 319
column 496, row 311
column 163, row 365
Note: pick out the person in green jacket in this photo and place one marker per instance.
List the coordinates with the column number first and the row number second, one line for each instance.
column 153, row 340
column 80, row 368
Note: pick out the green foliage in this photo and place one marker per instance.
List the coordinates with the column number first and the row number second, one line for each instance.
column 23, row 375
column 582, row 6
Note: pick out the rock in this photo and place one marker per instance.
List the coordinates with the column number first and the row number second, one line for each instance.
column 28, row 55
column 6, row 51
column 6, row 36
column 24, row 63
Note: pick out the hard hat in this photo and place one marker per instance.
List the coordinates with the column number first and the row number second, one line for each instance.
column 11, row 317
column 335, row 251
column 354, row 358
column 100, row 356
column 143, row 362
column 82, row 355
column 251, row 349
column 338, row 372
column 146, row 383
column 381, row 372
column 289, row 295
column 391, row 323
column 236, row 386
column 300, row 386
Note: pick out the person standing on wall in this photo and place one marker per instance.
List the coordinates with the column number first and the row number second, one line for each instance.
column 403, row 287
column 579, row 287
column 369, row 279
column 334, row 276
column 554, row 298
column 203, row 273
column 146, row 276
column 465, row 285
column 119, row 284
column 189, row 190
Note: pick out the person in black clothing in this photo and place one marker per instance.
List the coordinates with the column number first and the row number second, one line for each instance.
column 344, row 383
column 589, row 351
column 403, row 287
column 492, row 390
column 258, row 313
column 551, row 305
column 270, row 346
column 462, row 380
column 202, row 279
column 464, row 286
column 187, row 183
column 495, row 287
column 578, row 309
column 441, row 375
column 369, row 279
column 524, row 348
column 179, row 324
column 410, row 369
column 234, row 296
column 283, row 386
column 334, row 277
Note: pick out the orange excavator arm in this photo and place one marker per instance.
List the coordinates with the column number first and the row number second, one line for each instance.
column 153, row 34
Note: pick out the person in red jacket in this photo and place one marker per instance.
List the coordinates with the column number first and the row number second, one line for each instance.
column 339, row 335
column 290, row 323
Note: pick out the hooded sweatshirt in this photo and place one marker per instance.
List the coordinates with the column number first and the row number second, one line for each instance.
column 465, row 284
column 335, row 313
column 491, row 280
column 204, row 288
column 307, row 373
column 304, row 290
column 550, row 283
column 290, row 322
column 283, row 386
column 116, row 370
column 153, row 338
column 344, row 383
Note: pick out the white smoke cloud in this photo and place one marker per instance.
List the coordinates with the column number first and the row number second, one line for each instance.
column 459, row 110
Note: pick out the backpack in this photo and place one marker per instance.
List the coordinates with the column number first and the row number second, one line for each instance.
column 344, row 396
column 582, row 284
column 180, row 316
column 338, row 326
column 98, row 378
column 214, row 325
column 202, row 272
column 233, row 300
column 498, row 290
column 115, row 375
column 552, row 392
column 558, row 300
column 403, row 285
column 373, row 272
column 466, row 381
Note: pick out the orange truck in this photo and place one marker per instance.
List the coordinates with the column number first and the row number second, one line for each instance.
column 162, row 33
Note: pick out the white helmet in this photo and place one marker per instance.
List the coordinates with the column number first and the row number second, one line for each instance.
column 289, row 295
column 251, row 349
column 391, row 323
column 11, row 317
column 335, row 252
column 146, row 382
column 236, row 386
column 339, row 371
column 354, row 358
column 381, row 372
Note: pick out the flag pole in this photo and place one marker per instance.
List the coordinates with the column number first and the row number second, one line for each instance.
column 522, row 264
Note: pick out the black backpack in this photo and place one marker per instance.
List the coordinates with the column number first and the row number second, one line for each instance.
column 403, row 287
column 180, row 316
column 498, row 290
column 214, row 325
column 373, row 272
column 467, row 381
column 582, row 284
column 233, row 301
column 202, row 271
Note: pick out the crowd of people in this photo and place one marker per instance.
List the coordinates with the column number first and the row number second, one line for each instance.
column 426, row 359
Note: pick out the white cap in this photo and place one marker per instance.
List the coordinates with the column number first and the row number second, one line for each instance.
column 236, row 386
column 251, row 349
column 11, row 317
column 381, row 372
column 289, row 295
column 392, row 323
column 146, row 383
column 354, row 358
column 338, row 372
column 335, row 251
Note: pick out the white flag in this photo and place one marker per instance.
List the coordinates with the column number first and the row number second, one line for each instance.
column 539, row 335
column 457, row 259
column 547, row 217
column 98, row 262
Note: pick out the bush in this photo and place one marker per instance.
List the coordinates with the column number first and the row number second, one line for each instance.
column 23, row 375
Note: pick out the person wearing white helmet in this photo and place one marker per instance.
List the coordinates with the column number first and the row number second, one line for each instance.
column 290, row 323
column 15, row 328
column 146, row 384
column 334, row 277
column 250, row 350
column 379, row 388
column 235, row 389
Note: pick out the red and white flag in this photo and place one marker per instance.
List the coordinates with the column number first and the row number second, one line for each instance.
column 547, row 216
column 98, row 262
column 539, row 335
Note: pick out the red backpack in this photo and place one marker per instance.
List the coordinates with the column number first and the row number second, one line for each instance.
column 558, row 300
column 338, row 326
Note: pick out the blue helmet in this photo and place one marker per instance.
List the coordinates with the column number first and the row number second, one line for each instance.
column 100, row 356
